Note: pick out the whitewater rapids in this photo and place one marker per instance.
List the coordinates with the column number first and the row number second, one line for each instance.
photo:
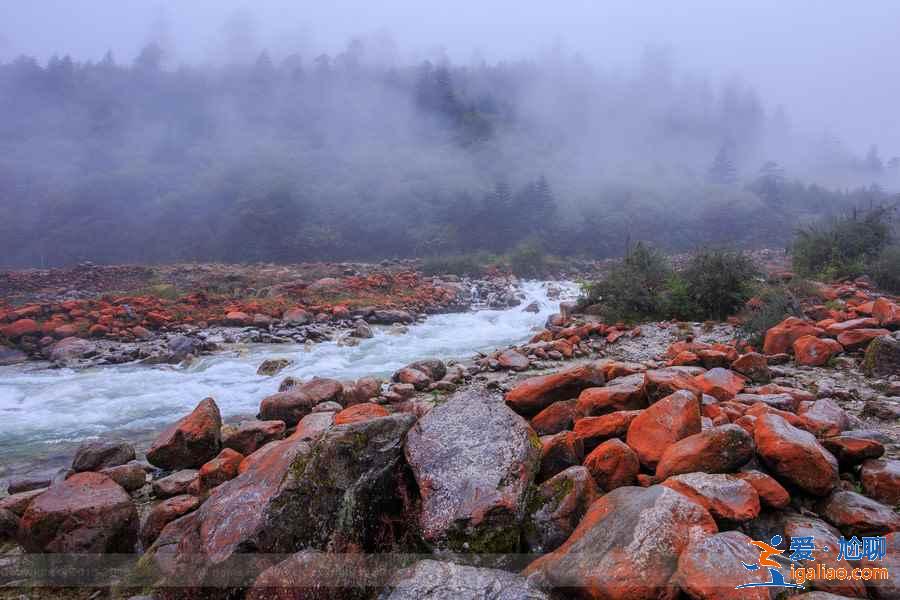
column 45, row 413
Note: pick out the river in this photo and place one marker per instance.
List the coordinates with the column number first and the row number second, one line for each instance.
column 45, row 413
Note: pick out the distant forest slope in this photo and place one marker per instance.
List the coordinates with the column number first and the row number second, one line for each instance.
column 357, row 156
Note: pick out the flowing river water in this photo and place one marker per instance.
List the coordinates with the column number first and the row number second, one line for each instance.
column 45, row 413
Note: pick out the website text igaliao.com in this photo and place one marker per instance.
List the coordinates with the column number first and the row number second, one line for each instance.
column 821, row 572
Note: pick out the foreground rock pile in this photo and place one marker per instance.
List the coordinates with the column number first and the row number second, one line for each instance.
column 604, row 479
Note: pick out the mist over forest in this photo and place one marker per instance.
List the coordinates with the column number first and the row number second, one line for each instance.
column 360, row 153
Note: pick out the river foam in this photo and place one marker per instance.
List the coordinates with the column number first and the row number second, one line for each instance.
column 45, row 412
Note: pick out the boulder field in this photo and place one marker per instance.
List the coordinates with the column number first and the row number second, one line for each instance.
column 640, row 478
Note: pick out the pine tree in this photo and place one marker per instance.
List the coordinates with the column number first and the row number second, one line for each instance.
column 769, row 184
column 723, row 171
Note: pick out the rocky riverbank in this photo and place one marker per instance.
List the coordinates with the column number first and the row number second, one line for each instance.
column 527, row 470
column 114, row 328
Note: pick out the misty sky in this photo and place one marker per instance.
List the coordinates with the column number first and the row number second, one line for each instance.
column 832, row 64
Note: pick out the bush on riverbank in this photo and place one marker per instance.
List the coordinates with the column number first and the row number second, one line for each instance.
column 528, row 259
column 714, row 284
column 846, row 246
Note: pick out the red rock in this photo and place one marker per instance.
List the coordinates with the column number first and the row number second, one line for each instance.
column 760, row 409
column 613, row 336
column 854, row 514
column 222, row 468
column 236, row 317
column 724, row 496
column 839, row 328
column 671, row 419
column 20, row 328
column 886, row 312
column 771, row 493
column 285, row 500
column 131, row 476
column 511, row 359
column 613, row 369
column 851, row 451
column 747, row 423
column 782, row 336
column 66, row 331
column 534, row 394
column 296, row 316
column 563, row 347
column 298, row 401
column 360, row 412
column 612, row 464
column 858, row 339
column 881, row 480
column 191, row 441
column 598, row 563
column 361, row 390
column 772, row 388
column 313, row 575
column 594, row 430
column 414, row 377
column 559, row 416
column 722, row 384
column 710, row 359
column 801, row 526
column 98, row 331
column 164, row 513
column 685, row 358
column 710, row 568
column 313, row 425
column 784, row 402
column 175, row 484
column 722, row 449
column 19, row 502
column 559, row 452
column 660, row 383
column 597, row 401
column 825, row 418
column 815, row 352
column 795, row 456
column 250, row 435
column 87, row 513
column 753, row 366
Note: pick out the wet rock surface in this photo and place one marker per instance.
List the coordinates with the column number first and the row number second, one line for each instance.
column 473, row 460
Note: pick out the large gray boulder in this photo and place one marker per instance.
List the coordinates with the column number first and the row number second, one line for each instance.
column 882, row 357
column 329, row 493
column 473, row 459
column 557, row 507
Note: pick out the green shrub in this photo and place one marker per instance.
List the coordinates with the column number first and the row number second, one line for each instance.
column 472, row 265
column 634, row 288
column 528, row 259
column 842, row 247
column 715, row 283
column 778, row 303
column 886, row 269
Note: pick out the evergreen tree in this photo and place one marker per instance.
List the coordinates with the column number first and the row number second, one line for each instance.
column 873, row 160
column 723, row 171
column 770, row 183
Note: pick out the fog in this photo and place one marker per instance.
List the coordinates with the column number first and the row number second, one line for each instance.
column 142, row 132
column 832, row 65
